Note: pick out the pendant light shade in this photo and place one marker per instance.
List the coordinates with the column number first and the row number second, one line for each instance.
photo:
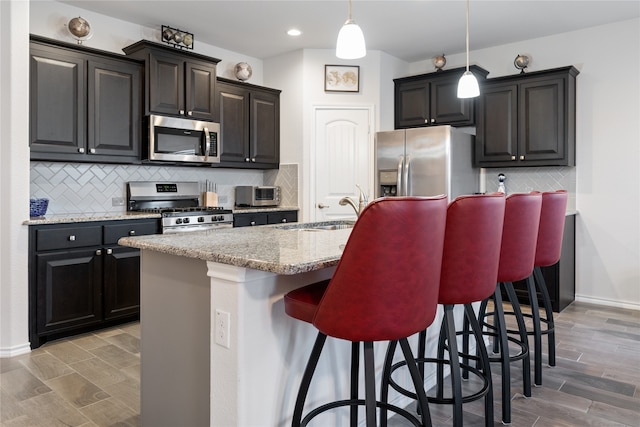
column 468, row 84
column 351, row 43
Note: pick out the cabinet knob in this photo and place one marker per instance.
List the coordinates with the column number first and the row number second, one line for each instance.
column 132, row 233
column 247, row 159
column 99, row 252
column 92, row 151
column 253, row 159
column 426, row 121
column 521, row 157
column 190, row 113
column 513, row 157
column 284, row 220
column 72, row 238
column 80, row 150
column 182, row 112
column 252, row 223
column 109, row 251
column 433, row 120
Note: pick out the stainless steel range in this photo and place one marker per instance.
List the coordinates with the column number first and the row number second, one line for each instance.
column 179, row 205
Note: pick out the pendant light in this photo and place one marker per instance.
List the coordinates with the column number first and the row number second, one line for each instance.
column 350, row 40
column 468, row 85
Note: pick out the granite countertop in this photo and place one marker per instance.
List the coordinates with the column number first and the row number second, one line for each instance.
column 71, row 218
column 281, row 249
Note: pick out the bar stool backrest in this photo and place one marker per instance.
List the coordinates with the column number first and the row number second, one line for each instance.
column 471, row 248
column 554, row 207
column 519, row 236
column 385, row 286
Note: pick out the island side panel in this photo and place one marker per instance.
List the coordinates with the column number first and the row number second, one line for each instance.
column 175, row 331
column 254, row 382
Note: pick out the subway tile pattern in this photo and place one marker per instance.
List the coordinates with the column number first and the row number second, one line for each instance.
column 89, row 188
column 523, row 180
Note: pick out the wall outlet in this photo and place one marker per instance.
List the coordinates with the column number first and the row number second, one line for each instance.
column 117, row 201
column 223, row 329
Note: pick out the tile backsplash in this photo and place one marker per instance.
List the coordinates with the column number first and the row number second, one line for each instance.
column 90, row 188
column 523, row 180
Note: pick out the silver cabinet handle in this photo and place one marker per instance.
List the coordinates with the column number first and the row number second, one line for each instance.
column 433, row 120
column 426, row 120
column 99, row 252
column 247, row 159
column 513, row 157
column 253, row 159
column 72, row 238
column 109, row 251
column 80, row 150
column 92, row 151
column 182, row 112
column 521, row 157
column 284, row 220
column 190, row 113
column 252, row 223
column 322, row 206
column 132, row 233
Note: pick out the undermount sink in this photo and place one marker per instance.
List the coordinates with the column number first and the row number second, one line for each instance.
column 318, row 226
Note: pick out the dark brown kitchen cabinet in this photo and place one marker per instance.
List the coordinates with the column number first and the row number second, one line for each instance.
column 527, row 120
column 85, row 105
column 263, row 218
column 80, row 279
column 431, row 99
column 177, row 83
column 249, row 125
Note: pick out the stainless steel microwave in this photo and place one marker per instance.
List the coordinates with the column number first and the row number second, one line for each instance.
column 173, row 139
column 247, row 196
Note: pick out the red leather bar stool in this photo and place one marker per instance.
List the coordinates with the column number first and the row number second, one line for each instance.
column 517, row 255
column 469, row 271
column 549, row 247
column 385, row 287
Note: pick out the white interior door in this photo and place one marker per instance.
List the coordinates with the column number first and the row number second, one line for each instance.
column 343, row 159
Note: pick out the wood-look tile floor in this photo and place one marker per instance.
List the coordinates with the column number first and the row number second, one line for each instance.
column 94, row 379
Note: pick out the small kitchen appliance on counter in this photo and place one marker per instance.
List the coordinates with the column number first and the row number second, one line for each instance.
column 179, row 205
column 257, row 196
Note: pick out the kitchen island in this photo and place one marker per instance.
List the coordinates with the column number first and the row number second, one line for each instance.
column 216, row 345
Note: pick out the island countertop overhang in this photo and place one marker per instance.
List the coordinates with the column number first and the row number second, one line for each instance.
column 287, row 250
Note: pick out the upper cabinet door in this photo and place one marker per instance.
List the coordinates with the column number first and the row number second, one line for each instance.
column 412, row 104
column 446, row 107
column 497, row 124
column 57, row 101
column 233, row 109
column 264, row 131
column 114, row 108
column 200, row 82
column 166, row 84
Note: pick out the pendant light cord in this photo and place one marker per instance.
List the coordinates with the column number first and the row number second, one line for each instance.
column 467, row 33
column 349, row 10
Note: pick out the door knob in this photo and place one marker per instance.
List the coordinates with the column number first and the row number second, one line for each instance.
column 322, row 206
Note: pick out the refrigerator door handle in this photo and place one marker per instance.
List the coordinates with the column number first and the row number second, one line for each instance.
column 399, row 179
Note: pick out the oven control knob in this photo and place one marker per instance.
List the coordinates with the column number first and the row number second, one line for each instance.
column 178, row 220
column 200, row 219
column 186, row 221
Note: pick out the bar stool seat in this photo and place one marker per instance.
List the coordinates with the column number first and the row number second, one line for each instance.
column 385, row 287
column 469, row 271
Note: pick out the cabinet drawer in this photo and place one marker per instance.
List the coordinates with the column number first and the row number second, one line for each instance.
column 113, row 232
column 65, row 238
column 282, row 217
column 246, row 220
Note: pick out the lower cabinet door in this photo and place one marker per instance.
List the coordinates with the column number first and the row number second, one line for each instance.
column 68, row 288
column 121, row 282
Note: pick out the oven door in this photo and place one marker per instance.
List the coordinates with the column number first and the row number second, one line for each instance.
column 182, row 140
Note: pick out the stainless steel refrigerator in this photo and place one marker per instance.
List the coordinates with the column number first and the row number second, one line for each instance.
column 425, row 162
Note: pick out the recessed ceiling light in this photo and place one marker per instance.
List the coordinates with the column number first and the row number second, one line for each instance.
column 294, row 32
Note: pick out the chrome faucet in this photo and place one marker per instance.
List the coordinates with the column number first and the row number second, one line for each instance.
column 362, row 202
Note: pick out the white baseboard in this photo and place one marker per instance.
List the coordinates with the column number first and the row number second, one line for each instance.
column 608, row 302
column 16, row 350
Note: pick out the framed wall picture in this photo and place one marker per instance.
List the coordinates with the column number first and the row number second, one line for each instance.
column 342, row 78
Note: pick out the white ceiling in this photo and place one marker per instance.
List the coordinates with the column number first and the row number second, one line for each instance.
column 410, row 30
